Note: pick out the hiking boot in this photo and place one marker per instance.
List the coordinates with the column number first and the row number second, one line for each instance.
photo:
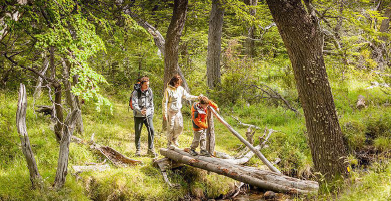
column 193, row 152
column 152, row 153
column 137, row 152
column 205, row 153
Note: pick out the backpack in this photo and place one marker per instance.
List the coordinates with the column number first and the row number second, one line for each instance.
column 137, row 87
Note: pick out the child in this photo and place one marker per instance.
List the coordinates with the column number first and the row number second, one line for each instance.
column 200, row 124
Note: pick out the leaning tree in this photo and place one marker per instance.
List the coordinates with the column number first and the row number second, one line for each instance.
column 302, row 36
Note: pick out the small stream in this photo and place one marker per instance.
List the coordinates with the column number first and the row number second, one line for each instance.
column 255, row 195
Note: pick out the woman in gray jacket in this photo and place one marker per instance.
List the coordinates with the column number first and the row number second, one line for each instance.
column 172, row 105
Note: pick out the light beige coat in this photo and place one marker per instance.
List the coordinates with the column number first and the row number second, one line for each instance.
column 172, row 105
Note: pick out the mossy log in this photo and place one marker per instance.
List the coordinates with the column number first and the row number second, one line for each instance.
column 250, row 175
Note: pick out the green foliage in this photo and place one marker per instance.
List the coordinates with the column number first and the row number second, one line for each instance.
column 379, row 125
column 106, row 46
column 354, row 132
column 372, row 185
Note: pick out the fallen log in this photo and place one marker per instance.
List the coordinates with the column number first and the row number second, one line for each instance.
column 257, row 152
column 45, row 109
column 111, row 154
column 87, row 168
column 244, row 159
column 223, row 155
column 260, row 178
column 115, row 157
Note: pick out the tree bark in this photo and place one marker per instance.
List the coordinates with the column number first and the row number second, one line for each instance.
column 62, row 165
column 174, row 33
column 303, row 39
column 58, row 113
column 38, row 87
column 257, row 152
column 250, row 43
column 210, row 134
column 35, row 177
column 385, row 24
column 253, row 176
column 71, row 99
column 214, row 44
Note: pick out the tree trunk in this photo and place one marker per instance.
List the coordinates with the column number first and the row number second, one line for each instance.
column 14, row 15
column 174, row 33
column 62, row 165
column 159, row 42
column 250, row 43
column 214, row 44
column 302, row 37
column 80, row 125
column 210, row 134
column 71, row 99
column 385, row 24
column 257, row 152
column 58, row 113
column 38, row 87
column 250, row 175
column 35, row 177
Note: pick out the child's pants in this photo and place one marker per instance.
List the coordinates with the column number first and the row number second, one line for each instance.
column 199, row 138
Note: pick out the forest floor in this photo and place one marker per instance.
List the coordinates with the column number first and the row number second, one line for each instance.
column 367, row 133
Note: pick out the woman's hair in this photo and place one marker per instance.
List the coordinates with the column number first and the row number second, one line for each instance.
column 143, row 79
column 203, row 100
column 175, row 79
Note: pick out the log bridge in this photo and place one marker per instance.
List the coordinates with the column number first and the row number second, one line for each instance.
column 261, row 178
column 269, row 180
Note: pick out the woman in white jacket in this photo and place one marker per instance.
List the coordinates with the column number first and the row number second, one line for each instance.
column 172, row 105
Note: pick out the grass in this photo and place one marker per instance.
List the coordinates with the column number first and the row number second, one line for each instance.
column 288, row 143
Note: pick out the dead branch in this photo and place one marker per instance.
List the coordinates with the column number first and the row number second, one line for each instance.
column 257, row 152
column 244, row 159
column 88, row 168
column 272, row 94
column 246, row 125
column 35, row 177
column 263, row 139
column 250, row 135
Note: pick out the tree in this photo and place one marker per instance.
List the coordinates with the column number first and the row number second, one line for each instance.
column 214, row 44
column 35, row 177
column 158, row 39
column 173, row 36
column 303, row 40
column 12, row 13
column 60, row 31
column 250, row 43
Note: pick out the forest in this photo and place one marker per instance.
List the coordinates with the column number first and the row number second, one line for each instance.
column 295, row 96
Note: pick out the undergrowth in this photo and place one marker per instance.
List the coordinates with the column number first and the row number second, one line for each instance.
column 365, row 129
